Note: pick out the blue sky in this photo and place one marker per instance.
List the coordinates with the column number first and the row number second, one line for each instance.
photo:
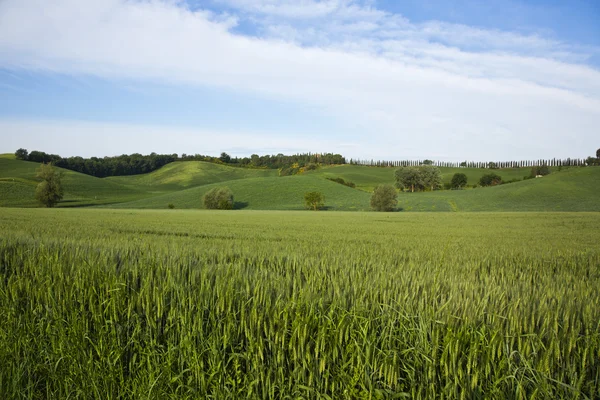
column 384, row 79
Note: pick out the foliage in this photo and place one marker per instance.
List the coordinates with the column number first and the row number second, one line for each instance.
column 343, row 182
column 171, row 206
column 21, row 154
column 492, row 165
column 424, row 177
column 490, row 179
column 459, row 180
column 218, row 198
column 427, row 162
column 225, row 157
column 598, row 153
column 314, row 200
column 50, row 190
column 135, row 304
column 384, row 198
column 542, row 170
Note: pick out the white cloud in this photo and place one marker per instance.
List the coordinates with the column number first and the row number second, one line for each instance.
column 372, row 70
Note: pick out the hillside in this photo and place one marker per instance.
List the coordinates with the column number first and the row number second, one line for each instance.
column 18, row 182
column 184, row 183
column 186, row 174
column 273, row 193
column 366, row 178
column 575, row 189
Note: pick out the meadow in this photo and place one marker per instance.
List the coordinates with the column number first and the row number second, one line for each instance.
column 298, row 305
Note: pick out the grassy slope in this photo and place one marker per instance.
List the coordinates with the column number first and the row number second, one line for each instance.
column 18, row 182
column 366, row 178
column 576, row 189
column 274, row 193
column 186, row 174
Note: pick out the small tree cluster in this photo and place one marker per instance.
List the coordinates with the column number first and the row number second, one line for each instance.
column 314, row 200
column 220, row 198
column 384, row 198
column 423, row 177
column 459, row 181
column 490, row 180
column 50, row 190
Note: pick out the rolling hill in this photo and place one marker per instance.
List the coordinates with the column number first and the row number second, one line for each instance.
column 18, row 182
column 186, row 174
column 184, row 183
column 272, row 193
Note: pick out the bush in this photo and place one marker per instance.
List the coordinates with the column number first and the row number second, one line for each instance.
column 490, row 180
column 542, row 170
column 459, row 180
column 314, row 200
column 171, row 206
column 343, row 182
column 384, row 198
column 220, row 198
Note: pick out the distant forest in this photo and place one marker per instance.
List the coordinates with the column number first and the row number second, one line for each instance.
column 140, row 164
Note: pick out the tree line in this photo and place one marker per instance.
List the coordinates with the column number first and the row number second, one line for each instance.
column 140, row 164
column 554, row 162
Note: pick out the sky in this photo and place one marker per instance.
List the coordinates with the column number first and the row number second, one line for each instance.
column 369, row 79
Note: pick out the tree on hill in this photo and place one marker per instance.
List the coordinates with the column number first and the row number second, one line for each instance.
column 427, row 162
column 598, row 153
column 21, row 154
column 490, row 180
column 418, row 178
column 408, row 178
column 220, row 198
column 225, row 157
column 49, row 191
column 432, row 177
column 314, row 200
column 384, row 198
column 542, row 170
column 459, row 180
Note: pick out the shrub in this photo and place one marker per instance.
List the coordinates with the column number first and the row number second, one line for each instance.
column 384, row 198
column 314, row 200
column 171, row 206
column 490, row 180
column 459, row 180
column 343, row 182
column 220, row 198
column 50, row 190
column 542, row 170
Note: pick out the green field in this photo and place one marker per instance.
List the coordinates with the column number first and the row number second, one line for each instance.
column 278, row 305
column 184, row 183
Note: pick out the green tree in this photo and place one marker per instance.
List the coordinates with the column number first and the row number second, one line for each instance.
column 384, row 198
column 408, row 178
column 225, row 157
column 598, row 153
column 21, row 154
column 427, row 162
column 220, row 198
column 431, row 177
column 542, row 170
column 459, row 180
column 50, row 190
column 490, row 180
column 314, row 200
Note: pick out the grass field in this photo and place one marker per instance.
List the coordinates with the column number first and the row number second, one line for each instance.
column 273, row 305
column 274, row 193
column 184, row 183
column 366, row 178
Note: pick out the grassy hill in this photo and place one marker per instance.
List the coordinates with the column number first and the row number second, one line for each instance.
column 18, row 182
column 186, row 174
column 271, row 193
column 184, row 183
column 575, row 189
column 366, row 178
